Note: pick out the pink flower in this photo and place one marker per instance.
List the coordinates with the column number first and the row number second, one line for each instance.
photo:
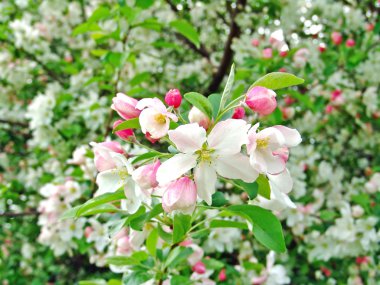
column 125, row 106
column 329, row 109
column 336, row 97
column 199, row 267
column 123, row 246
column 123, row 134
column 283, row 53
column 370, row 27
column 145, row 176
column 255, row 42
column 267, row 53
column 322, row 47
column 196, row 116
column 154, row 118
column 180, row 195
column 350, row 43
column 222, row 275
column 239, row 113
column 261, row 100
column 173, row 98
column 337, row 38
column 300, row 57
column 102, row 151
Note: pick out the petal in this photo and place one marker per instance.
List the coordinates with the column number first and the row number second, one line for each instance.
column 108, row 181
column 282, row 181
column 174, row 167
column 273, row 163
column 171, row 116
column 133, row 201
column 236, row 166
column 292, row 136
column 188, row 138
column 205, row 179
column 154, row 103
column 276, row 139
column 228, row 136
column 149, row 124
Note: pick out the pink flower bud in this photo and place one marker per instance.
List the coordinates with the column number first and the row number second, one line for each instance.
column 123, row 134
column 145, row 175
column 322, row 47
column 222, row 275
column 199, row 267
column 149, row 138
column 261, row 100
column 102, row 157
column 282, row 69
column 125, row 106
column 350, row 43
column 289, row 100
column 180, row 195
column 283, row 53
column 287, row 112
column 329, row 109
column 196, row 116
column 238, row 113
column 337, row 38
column 255, row 42
column 362, row 260
column 173, row 98
column 123, row 245
column 370, row 27
column 300, row 57
column 267, row 53
column 87, row 231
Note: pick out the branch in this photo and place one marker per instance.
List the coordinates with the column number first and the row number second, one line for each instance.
column 228, row 52
column 21, row 214
column 21, row 124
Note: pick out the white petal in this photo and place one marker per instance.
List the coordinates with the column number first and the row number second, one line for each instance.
column 276, row 139
column 292, row 136
column 108, row 181
column 151, row 103
column 282, row 181
column 274, row 164
column 205, row 179
column 188, row 138
column 236, row 166
column 149, row 124
column 228, row 136
column 133, row 201
column 174, row 167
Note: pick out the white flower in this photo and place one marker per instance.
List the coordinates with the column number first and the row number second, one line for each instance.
column 219, row 152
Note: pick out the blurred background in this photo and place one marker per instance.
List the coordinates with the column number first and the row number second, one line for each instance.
column 62, row 61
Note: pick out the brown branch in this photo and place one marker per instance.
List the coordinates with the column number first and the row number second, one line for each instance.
column 21, row 214
column 228, row 52
column 21, row 124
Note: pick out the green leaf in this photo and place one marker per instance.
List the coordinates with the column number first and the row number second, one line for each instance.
column 116, row 59
column 215, row 103
column 201, row 102
column 264, row 187
column 180, row 280
column 84, row 28
column 144, row 4
column 227, row 89
column 177, row 255
column 139, row 78
column 134, row 278
column 265, row 226
column 93, row 282
column 130, row 13
column 107, row 208
column 151, row 242
column 181, row 225
column 99, row 14
column 250, row 188
column 100, row 200
column 187, row 30
column 218, row 199
column 70, row 213
column 277, row 80
column 164, row 235
column 140, row 218
column 129, row 124
column 150, row 24
column 228, row 224
column 135, row 259
column 146, row 156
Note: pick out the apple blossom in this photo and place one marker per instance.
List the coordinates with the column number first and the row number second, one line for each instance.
column 102, row 152
column 180, row 195
column 350, row 43
column 300, row 57
column 337, row 38
column 199, row 267
column 173, row 98
column 123, row 134
column 261, row 100
column 267, row 53
column 322, row 47
column 255, row 42
column 145, row 176
column 154, row 118
column 239, row 113
column 222, row 276
column 219, row 152
column 196, row 116
column 125, row 106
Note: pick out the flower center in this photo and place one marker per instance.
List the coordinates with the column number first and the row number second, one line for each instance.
column 123, row 174
column 205, row 154
column 160, row 118
column 262, row 143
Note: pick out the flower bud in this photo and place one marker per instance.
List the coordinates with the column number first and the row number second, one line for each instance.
column 238, row 113
column 370, row 27
column 261, row 100
column 123, row 134
column 196, row 116
column 88, row 231
column 199, row 267
column 255, row 42
column 222, row 275
column 123, row 245
column 329, row 109
column 267, row 53
column 145, row 176
column 350, row 43
column 283, row 53
column 300, row 57
column 102, row 156
column 173, row 98
column 337, row 38
column 149, row 138
column 180, row 195
column 322, row 47
column 125, row 106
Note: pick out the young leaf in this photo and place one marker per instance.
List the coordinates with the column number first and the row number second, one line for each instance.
column 228, row 224
column 145, row 156
column 181, row 225
column 100, row 200
column 201, row 102
column 264, row 187
column 227, row 89
column 265, row 226
column 277, row 80
column 135, row 259
column 177, row 255
column 187, row 30
column 151, row 242
column 129, row 124
column 250, row 188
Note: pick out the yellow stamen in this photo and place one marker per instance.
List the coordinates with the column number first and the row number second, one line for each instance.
column 160, row 118
column 262, row 143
